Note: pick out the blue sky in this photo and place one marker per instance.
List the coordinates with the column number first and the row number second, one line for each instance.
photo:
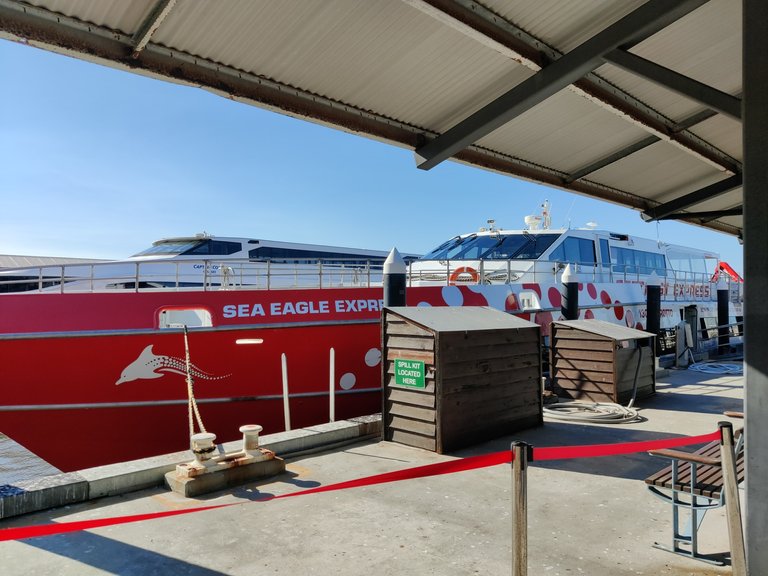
column 98, row 162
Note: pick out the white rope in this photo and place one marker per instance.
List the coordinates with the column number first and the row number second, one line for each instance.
column 718, row 368
column 192, row 403
column 596, row 413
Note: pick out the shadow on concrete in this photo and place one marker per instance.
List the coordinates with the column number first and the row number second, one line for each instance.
column 115, row 557
column 251, row 491
column 636, row 466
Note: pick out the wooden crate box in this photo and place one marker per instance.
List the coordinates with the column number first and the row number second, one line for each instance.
column 456, row 376
column 599, row 361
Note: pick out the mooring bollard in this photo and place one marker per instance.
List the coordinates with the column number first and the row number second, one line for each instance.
column 394, row 279
column 653, row 308
column 732, row 504
column 520, row 452
column 251, row 438
column 569, row 307
column 723, row 330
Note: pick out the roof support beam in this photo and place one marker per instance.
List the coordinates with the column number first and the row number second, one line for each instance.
column 636, row 147
column 611, row 158
column 151, row 24
column 696, row 197
column 698, row 91
column 642, row 23
column 707, row 216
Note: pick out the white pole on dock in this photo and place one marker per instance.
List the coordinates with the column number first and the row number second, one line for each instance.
column 286, row 407
column 331, row 384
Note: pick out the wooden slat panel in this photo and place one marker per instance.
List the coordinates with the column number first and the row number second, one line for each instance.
column 405, row 396
column 397, row 409
column 491, row 337
column 581, row 355
column 570, row 333
column 414, row 426
column 409, row 342
column 591, row 364
column 504, row 407
column 398, row 328
column 454, row 439
column 481, row 383
column 426, row 357
column 589, row 376
column 575, row 389
column 491, row 351
column 645, row 374
column 409, row 439
column 605, row 346
column 489, row 366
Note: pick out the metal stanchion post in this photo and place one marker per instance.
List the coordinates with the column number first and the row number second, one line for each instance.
column 732, row 505
column 520, row 451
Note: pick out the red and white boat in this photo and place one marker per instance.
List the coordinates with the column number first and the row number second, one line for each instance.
column 93, row 360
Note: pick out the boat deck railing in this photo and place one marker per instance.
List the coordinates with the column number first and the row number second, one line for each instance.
column 232, row 274
column 155, row 275
column 675, row 284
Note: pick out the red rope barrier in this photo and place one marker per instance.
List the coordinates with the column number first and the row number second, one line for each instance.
column 597, row 450
column 449, row 467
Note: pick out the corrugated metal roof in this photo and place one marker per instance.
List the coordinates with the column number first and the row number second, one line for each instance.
column 602, row 328
column 407, row 72
column 460, row 319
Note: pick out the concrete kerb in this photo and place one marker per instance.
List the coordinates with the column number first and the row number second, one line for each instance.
column 115, row 479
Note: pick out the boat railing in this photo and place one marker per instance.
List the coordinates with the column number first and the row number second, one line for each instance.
column 154, row 275
column 675, row 284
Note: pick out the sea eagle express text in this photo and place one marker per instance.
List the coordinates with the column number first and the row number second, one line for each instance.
column 301, row 307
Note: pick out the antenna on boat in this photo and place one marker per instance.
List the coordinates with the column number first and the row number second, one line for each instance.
column 545, row 217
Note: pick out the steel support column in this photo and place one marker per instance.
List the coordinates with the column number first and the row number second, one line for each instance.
column 755, row 121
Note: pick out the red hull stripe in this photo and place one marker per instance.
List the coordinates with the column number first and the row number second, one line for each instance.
column 452, row 466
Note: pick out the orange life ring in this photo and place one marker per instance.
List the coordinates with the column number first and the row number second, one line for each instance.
column 454, row 277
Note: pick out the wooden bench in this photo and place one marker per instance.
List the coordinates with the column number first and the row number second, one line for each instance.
column 694, row 483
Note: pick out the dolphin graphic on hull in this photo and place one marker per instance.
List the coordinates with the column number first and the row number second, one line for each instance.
column 149, row 366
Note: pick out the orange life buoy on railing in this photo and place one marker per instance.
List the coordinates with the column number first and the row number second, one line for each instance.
column 454, row 277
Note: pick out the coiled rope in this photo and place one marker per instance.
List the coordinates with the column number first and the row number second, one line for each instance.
column 598, row 412
column 730, row 368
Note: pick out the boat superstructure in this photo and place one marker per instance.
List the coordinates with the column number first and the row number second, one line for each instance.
column 539, row 254
column 204, row 262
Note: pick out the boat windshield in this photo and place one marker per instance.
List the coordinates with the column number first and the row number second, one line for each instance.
column 523, row 246
column 169, row 248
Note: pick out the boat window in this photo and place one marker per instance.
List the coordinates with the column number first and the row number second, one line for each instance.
column 180, row 317
column 168, row 248
column 214, row 248
column 303, row 256
column 433, row 254
column 493, row 247
column 638, row 261
column 605, row 252
column 520, row 246
column 575, row 251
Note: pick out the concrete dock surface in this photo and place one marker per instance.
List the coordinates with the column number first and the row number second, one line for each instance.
column 586, row 516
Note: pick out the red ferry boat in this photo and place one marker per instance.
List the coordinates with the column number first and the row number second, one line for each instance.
column 94, row 364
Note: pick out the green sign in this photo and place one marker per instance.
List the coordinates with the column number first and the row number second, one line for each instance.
column 409, row 373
